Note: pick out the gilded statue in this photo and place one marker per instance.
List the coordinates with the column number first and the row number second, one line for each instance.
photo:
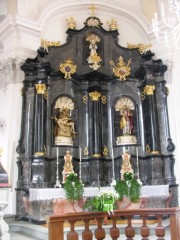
column 64, row 125
column 93, row 58
column 126, row 122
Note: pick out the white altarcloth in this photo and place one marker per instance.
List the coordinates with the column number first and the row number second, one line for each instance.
column 40, row 194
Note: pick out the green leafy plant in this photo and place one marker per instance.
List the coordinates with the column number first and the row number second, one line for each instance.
column 129, row 187
column 104, row 201
column 73, row 187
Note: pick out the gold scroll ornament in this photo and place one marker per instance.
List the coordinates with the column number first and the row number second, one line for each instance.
column 121, row 70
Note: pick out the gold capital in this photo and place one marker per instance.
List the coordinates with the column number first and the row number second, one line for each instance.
column 95, row 96
column 149, row 89
column 40, row 88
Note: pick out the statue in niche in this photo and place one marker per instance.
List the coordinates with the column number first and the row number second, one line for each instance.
column 68, row 167
column 93, row 58
column 126, row 121
column 65, row 125
column 125, row 106
column 64, row 130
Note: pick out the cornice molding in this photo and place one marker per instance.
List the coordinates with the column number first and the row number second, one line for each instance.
column 19, row 36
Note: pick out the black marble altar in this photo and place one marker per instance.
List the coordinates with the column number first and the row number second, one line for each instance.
column 96, row 121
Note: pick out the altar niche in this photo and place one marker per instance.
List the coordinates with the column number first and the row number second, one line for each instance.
column 99, row 98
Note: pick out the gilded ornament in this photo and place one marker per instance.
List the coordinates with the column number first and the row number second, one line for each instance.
column 93, row 59
column 148, row 150
column 67, row 67
column 38, row 154
column 71, row 23
column 103, row 99
column 143, row 95
column 85, row 99
column 112, row 25
column 141, row 47
column 155, row 152
column 149, row 89
column 41, row 88
column 46, row 44
column 95, row 96
column 167, row 91
column 121, row 70
column 92, row 8
column 96, row 155
column 105, row 151
column 85, row 151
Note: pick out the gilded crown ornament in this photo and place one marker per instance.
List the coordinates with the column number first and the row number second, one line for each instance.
column 121, row 70
column 71, row 23
column 112, row 25
column 95, row 96
column 67, row 67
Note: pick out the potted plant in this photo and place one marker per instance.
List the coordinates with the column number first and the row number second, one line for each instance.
column 104, row 201
column 73, row 187
column 129, row 187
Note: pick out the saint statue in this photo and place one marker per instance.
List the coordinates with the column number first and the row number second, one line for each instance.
column 126, row 107
column 126, row 121
column 93, row 58
column 64, row 129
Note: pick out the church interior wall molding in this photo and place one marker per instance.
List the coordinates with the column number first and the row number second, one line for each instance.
column 10, row 72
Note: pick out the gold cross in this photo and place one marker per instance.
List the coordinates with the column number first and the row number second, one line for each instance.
column 92, row 8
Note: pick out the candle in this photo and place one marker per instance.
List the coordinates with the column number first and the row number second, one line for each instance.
column 80, row 152
column 57, row 151
column 137, row 157
column 113, row 164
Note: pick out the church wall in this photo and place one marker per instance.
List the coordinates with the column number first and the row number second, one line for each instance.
column 132, row 29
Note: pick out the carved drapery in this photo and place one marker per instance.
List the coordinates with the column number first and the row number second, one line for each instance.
column 10, row 72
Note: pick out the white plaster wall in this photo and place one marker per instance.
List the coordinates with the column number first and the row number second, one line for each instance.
column 10, row 111
column 174, row 111
column 20, row 36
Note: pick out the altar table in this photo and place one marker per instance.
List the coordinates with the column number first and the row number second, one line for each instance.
column 48, row 201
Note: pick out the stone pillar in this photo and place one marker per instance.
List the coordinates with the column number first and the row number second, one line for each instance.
column 167, row 146
column 95, row 137
column 151, row 119
column 96, row 129
column 39, row 119
column 84, row 134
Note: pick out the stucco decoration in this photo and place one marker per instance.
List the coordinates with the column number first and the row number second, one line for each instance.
column 10, row 72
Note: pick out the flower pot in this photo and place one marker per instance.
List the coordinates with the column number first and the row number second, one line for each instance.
column 125, row 203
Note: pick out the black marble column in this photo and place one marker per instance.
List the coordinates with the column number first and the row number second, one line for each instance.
column 151, row 119
column 39, row 119
column 167, row 146
column 161, row 95
column 96, row 124
column 84, row 134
